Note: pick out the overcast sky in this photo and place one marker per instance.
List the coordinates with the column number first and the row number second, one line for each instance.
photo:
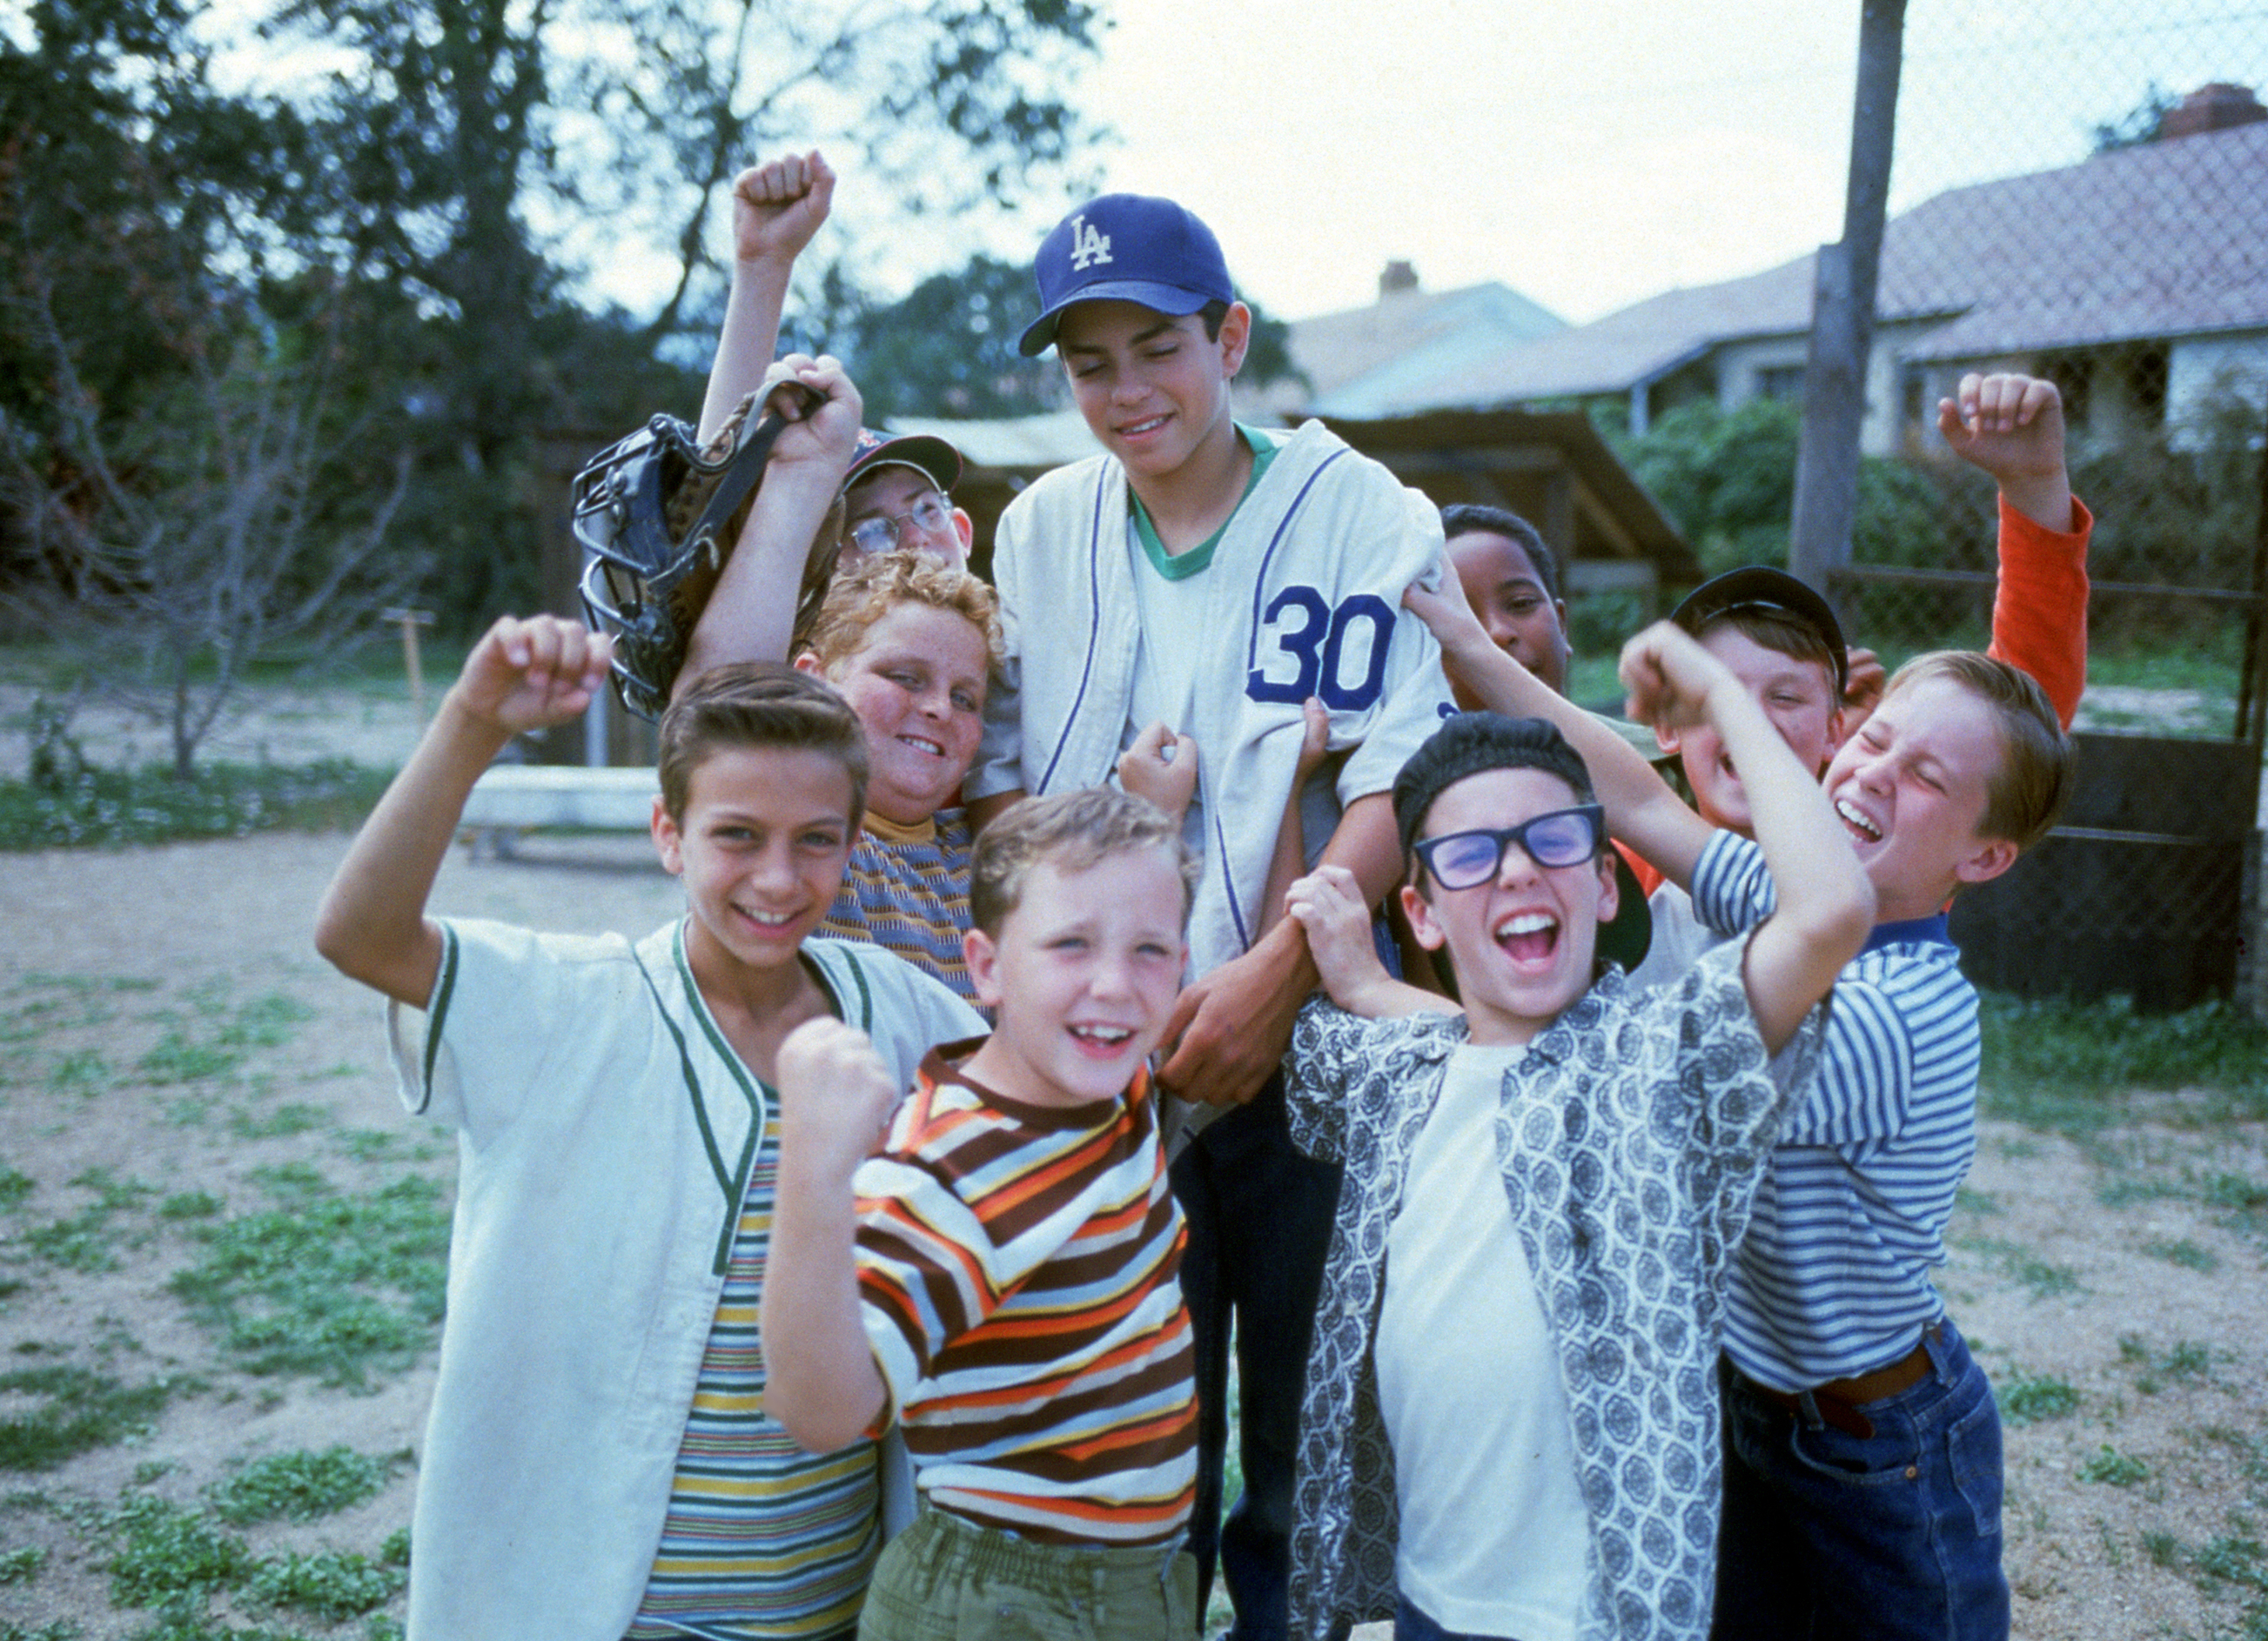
column 1588, row 155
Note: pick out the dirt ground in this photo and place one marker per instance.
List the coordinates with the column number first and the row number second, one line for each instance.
column 2115, row 1288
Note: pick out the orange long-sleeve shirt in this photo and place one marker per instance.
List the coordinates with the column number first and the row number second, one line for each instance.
column 2039, row 608
column 2039, row 615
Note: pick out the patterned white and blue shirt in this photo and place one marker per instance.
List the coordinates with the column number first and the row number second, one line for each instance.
column 1629, row 1138
column 1833, row 1280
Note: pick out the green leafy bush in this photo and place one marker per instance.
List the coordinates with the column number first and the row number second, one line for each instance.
column 148, row 806
column 2066, row 1066
column 165, row 1552
column 330, row 1585
column 22, row 1563
column 2113, row 1469
column 2028, row 1398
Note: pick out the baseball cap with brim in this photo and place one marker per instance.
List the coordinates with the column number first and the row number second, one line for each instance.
column 1126, row 247
column 925, row 453
column 1761, row 588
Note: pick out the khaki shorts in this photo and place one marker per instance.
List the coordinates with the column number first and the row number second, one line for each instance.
column 947, row 1579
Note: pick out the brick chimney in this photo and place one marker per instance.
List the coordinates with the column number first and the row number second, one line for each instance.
column 2215, row 108
column 1400, row 277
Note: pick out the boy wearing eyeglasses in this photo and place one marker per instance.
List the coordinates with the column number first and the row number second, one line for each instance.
column 1511, row 1422
column 896, row 492
column 899, row 494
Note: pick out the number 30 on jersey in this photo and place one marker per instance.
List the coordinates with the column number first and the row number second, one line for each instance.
column 1338, row 655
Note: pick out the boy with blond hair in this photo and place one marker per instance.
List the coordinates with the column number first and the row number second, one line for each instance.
column 912, row 642
column 1001, row 1278
column 591, row 1469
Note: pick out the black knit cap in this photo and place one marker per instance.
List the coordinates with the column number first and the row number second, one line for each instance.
column 1473, row 743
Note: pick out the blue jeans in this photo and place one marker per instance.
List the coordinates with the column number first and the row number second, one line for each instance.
column 1259, row 1216
column 1892, row 1536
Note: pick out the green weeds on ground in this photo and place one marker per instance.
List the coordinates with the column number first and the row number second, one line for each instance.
column 2185, row 1359
column 325, row 1283
column 301, row 1486
column 2232, row 1564
column 78, row 1410
column 41, row 1004
column 2028, row 1398
column 22, row 1563
column 218, row 1033
column 2113, row 1469
column 2184, row 1251
column 174, row 1559
column 206, row 1032
column 2073, row 1068
column 89, row 1240
column 2044, row 1279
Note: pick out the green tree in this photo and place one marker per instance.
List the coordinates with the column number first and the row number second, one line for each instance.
column 2139, row 124
column 478, row 141
column 943, row 106
column 137, row 203
column 948, row 346
column 415, row 217
column 241, row 510
column 1727, row 476
column 190, row 471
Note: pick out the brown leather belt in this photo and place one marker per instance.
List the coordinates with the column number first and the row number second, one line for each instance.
column 1839, row 1401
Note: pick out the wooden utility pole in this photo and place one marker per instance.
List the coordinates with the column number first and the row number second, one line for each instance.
column 409, row 621
column 1843, row 315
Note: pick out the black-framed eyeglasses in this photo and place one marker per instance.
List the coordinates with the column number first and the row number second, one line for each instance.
column 931, row 513
column 1565, row 838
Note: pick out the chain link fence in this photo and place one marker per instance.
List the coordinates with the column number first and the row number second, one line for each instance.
column 2080, row 192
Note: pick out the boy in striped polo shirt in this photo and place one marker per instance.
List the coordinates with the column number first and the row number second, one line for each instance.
column 1003, row 1278
column 1862, row 1469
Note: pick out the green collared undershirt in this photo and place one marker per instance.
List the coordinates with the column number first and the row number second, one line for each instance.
column 1180, row 566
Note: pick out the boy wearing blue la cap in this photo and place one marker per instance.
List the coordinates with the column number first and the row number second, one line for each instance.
column 1214, row 577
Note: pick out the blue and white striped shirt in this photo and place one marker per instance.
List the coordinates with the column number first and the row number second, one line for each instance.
column 1833, row 1277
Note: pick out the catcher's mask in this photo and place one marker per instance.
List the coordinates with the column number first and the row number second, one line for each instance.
column 658, row 515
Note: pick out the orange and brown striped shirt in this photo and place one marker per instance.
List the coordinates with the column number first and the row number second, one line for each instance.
column 1019, row 1271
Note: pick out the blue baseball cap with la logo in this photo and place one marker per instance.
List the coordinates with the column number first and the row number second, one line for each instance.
column 1127, row 247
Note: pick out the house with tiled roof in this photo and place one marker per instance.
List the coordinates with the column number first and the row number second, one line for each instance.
column 1364, row 362
column 1555, row 469
column 2137, row 279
